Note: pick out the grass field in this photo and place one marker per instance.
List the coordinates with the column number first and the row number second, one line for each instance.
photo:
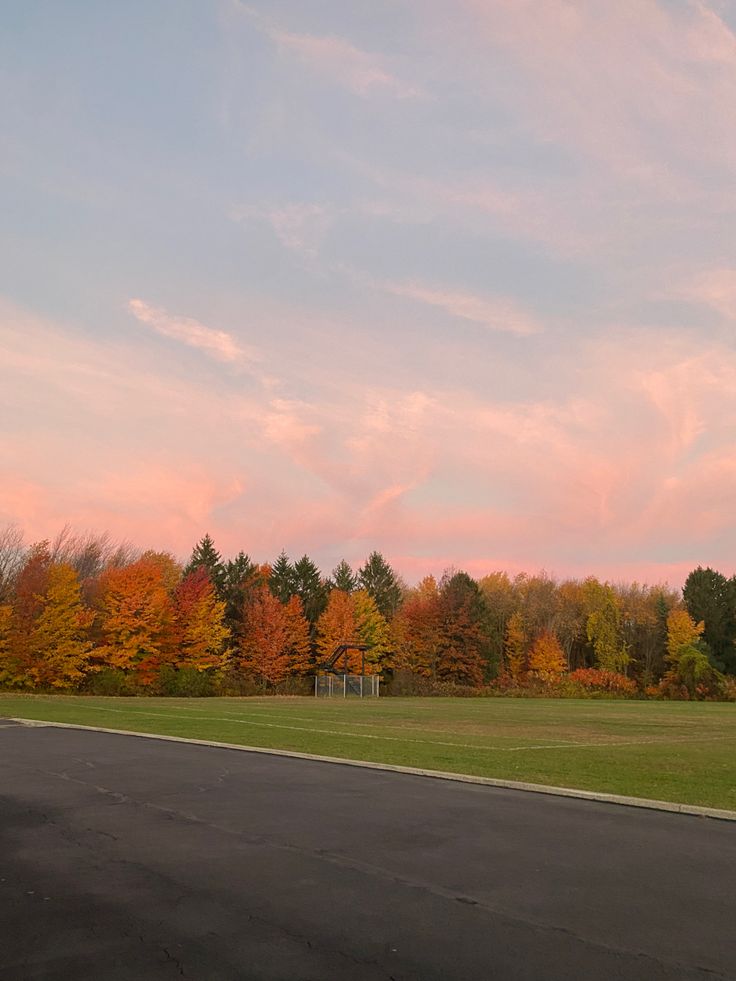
column 676, row 751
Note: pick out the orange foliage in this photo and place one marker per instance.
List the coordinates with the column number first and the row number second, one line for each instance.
column 199, row 626
column 595, row 679
column 136, row 617
column 275, row 641
column 546, row 658
column 515, row 648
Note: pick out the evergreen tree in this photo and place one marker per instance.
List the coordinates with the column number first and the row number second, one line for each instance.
column 205, row 554
column 282, row 582
column 240, row 576
column 343, row 578
column 381, row 583
column 307, row 584
column 710, row 597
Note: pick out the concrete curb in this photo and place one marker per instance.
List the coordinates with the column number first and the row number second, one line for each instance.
column 534, row 788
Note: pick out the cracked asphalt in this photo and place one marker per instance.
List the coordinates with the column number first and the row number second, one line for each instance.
column 127, row 858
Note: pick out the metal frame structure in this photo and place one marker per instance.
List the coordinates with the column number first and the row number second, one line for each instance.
column 352, row 684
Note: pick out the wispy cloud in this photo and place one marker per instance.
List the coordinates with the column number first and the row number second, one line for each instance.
column 495, row 313
column 359, row 71
column 716, row 288
column 217, row 344
column 363, row 73
column 300, row 225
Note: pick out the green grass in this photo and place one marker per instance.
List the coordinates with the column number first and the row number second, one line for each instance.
column 675, row 751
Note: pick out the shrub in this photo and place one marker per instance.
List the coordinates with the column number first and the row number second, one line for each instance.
column 406, row 683
column 108, row 681
column 597, row 680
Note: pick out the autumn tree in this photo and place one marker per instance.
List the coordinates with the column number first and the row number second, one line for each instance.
column 536, row 600
column 28, row 601
column 644, row 612
column 45, row 640
column 59, row 641
column 136, row 618
column 199, row 622
column 464, row 644
column 337, row 625
column 515, row 648
column 501, row 602
column 12, row 557
column 416, row 630
column 570, row 621
column 275, row 639
column 689, row 666
column 6, row 616
column 298, row 631
column 371, row 629
column 603, row 626
column 546, row 658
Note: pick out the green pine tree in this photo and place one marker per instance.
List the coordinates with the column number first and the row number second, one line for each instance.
column 310, row 587
column 240, row 575
column 343, row 578
column 282, row 582
column 205, row 554
column 381, row 583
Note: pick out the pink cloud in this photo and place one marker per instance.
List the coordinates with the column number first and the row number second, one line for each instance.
column 359, row 71
column 495, row 313
column 716, row 288
column 633, row 456
column 218, row 344
column 642, row 122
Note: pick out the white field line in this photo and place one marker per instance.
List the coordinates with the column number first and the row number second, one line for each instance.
column 422, row 742
column 409, row 729
column 334, row 722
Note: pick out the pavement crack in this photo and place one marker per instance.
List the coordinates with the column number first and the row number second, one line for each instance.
column 176, row 960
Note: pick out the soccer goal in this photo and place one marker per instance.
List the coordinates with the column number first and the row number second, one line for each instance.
column 333, row 683
column 346, row 685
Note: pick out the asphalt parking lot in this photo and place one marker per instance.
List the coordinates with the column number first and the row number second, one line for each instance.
column 128, row 858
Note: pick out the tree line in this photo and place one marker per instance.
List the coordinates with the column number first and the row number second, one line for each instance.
column 82, row 613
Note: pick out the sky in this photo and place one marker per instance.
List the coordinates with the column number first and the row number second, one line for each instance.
column 451, row 279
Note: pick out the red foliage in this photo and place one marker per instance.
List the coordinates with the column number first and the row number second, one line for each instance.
column 595, row 679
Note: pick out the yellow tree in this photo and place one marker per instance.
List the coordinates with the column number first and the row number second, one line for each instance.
column 59, row 641
column 682, row 631
column 546, row 658
column 337, row 625
column 689, row 666
column 603, row 626
column 515, row 648
column 372, row 630
column 199, row 627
